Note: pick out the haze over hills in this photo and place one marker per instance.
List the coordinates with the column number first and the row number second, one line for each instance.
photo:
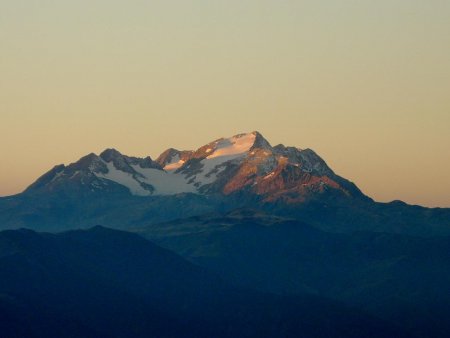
column 244, row 170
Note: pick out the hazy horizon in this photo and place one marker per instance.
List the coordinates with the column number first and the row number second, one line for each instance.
column 364, row 84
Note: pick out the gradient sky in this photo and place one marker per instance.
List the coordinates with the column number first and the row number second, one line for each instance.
column 366, row 84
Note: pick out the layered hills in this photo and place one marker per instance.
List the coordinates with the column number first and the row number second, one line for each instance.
column 107, row 283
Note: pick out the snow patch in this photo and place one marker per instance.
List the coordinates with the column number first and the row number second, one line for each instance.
column 125, row 179
column 165, row 183
column 57, row 176
column 174, row 163
column 236, row 145
column 211, row 168
column 174, row 166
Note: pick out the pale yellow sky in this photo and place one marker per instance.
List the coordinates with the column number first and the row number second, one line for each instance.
column 364, row 83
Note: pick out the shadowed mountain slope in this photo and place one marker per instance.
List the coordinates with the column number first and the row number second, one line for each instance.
column 107, row 283
column 401, row 278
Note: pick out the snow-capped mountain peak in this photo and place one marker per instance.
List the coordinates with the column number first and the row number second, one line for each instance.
column 233, row 146
column 244, row 162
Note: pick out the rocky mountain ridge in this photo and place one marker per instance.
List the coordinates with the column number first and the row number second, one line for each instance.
column 244, row 162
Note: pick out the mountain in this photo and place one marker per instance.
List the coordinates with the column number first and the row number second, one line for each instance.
column 244, row 170
column 242, row 162
column 400, row 278
column 107, row 283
